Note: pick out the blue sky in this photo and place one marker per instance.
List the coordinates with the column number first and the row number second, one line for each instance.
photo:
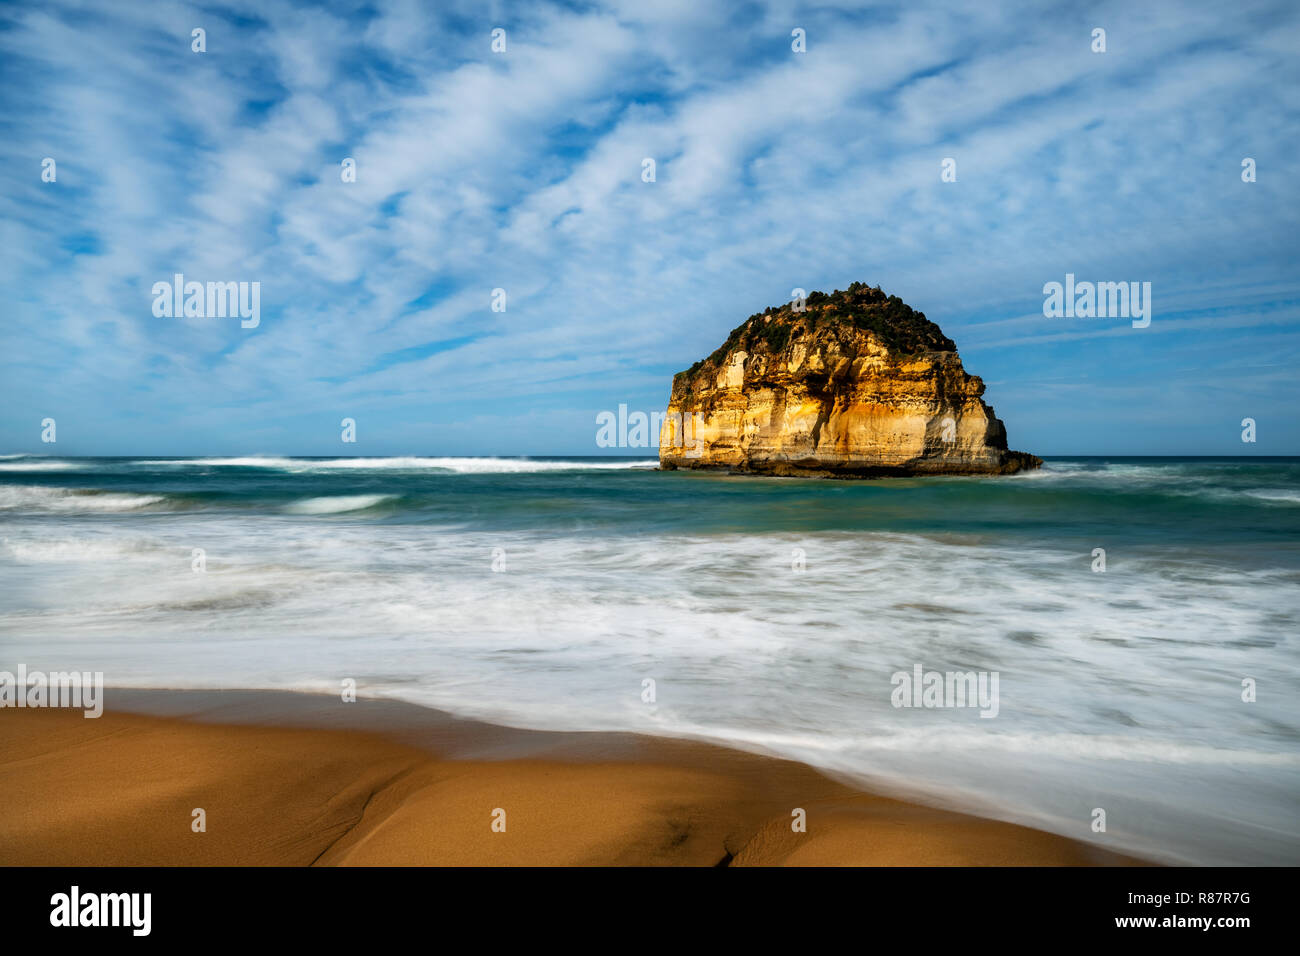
column 522, row 171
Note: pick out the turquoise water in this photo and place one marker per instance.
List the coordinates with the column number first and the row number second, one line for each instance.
column 769, row 613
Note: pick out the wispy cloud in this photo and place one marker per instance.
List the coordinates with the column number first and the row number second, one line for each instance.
column 522, row 171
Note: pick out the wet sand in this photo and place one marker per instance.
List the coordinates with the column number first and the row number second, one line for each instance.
column 300, row 779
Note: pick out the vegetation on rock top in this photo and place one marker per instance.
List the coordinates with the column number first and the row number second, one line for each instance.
column 860, row 308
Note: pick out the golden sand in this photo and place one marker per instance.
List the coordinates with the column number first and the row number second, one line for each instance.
column 296, row 780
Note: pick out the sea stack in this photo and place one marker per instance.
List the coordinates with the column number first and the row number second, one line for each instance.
column 853, row 384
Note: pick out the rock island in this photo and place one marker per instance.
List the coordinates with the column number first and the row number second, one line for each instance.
column 852, row 384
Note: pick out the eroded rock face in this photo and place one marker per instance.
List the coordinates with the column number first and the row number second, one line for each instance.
column 858, row 385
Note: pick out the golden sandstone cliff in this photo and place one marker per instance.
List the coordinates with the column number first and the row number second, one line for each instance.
column 857, row 385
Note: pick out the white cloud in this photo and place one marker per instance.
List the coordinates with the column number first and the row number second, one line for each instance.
column 522, row 171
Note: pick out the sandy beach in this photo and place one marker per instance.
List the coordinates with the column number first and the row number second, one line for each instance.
column 297, row 780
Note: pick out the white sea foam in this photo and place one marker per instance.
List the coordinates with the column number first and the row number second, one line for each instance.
column 991, row 745
column 38, row 498
column 456, row 465
column 335, row 504
column 56, row 549
column 1281, row 496
column 1110, row 473
column 43, row 464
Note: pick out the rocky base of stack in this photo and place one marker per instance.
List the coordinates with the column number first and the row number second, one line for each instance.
column 1010, row 463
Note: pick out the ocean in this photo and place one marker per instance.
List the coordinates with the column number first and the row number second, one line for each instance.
column 768, row 614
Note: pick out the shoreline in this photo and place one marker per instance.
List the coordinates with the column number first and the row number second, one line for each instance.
column 294, row 779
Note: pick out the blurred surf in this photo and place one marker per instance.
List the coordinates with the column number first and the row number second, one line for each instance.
column 770, row 613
